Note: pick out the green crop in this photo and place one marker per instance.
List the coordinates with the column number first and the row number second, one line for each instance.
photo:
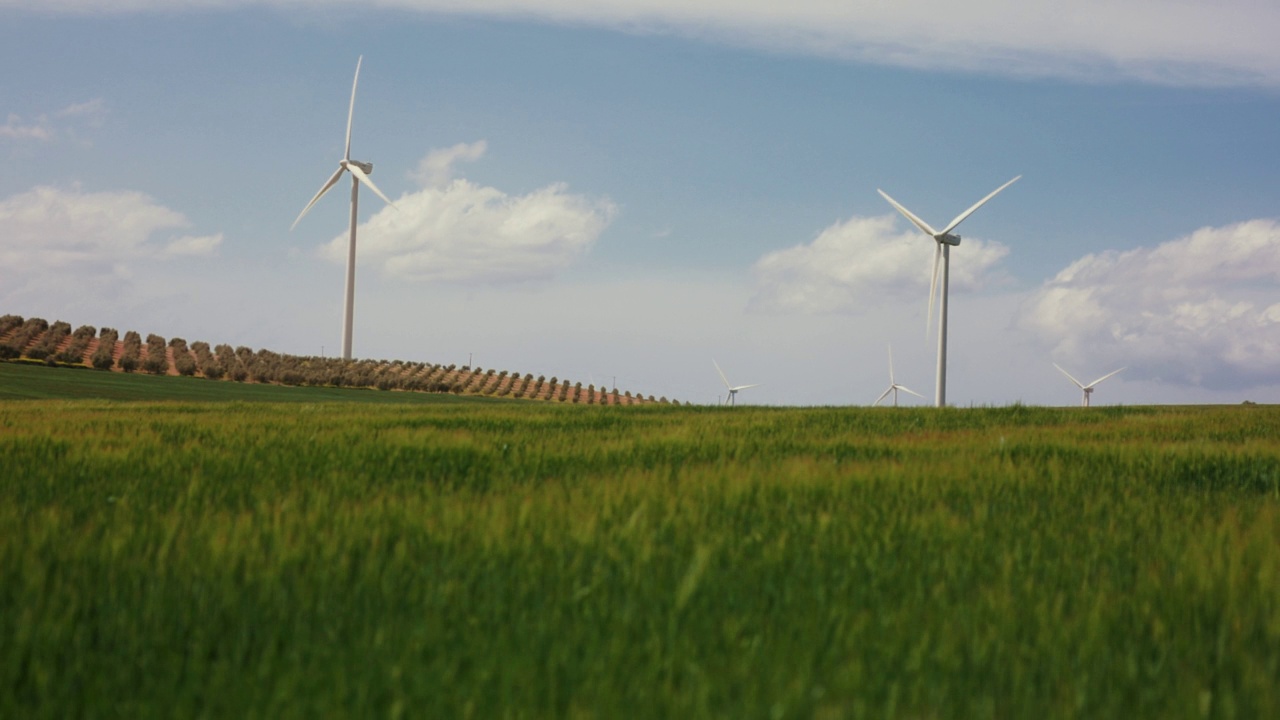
column 237, row 559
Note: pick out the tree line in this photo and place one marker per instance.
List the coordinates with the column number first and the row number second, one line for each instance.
column 36, row 340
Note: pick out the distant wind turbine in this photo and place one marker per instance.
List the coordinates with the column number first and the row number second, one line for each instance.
column 944, row 240
column 1088, row 389
column 894, row 387
column 360, row 172
column 733, row 389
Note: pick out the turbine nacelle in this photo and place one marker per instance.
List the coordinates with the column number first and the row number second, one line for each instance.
column 948, row 239
column 367, row 167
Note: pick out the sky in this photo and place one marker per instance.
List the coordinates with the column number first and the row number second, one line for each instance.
column 622, row 192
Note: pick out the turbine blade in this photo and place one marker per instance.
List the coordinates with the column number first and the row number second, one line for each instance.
column 883, row 395
column 722, row 377
column 891, row 365
column 1077, row 382
column 924, row 226
column 352, row 108
column 904, row 388
column 362, row 177
column 330, row 183
column 960, row 218
column 933, row 287
column 745, row 387
column 1104, row 377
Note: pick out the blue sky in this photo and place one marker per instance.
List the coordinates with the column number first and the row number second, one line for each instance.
column 632, row 190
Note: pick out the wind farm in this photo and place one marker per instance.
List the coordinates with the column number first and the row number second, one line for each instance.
column 360, row 173
column 212, row 506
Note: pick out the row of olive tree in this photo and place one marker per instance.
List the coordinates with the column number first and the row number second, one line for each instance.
column 183, row 361
column 79, row 345
column 157, row 362
column 22, row 336
column 48, row 343
column 37, row 339
column 131, row 351
column 104, row 357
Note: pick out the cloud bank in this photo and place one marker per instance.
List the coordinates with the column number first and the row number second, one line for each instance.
column 80, row 253
column 853, row 265
column 1200, row 310
column 1229, row 42
column 458, row 231
column 50, row 229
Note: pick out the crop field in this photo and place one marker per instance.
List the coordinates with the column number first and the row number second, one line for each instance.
column 499, row 559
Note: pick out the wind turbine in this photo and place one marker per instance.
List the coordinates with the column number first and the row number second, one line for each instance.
column 944, row 240
column 894, row 387
column 360, row 172
column 733, row 389
column 1088, row 389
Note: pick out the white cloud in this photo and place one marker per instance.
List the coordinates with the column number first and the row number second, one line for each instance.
column 15, row 129
column 43, row 129
column 463, row 232
column 93, row 109
column 190, row 245
column 436, row 169
column 1163, row 41
column 854, row 264
column 48, row 230
column 1199, row 310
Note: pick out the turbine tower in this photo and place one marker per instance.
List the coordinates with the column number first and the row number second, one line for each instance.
column 1088, row 389
column 894, row 387
column 733, row 389
column 360, row 172
column 944, row 240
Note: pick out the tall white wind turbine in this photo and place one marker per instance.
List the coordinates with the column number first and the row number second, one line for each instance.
column 1088, row 389
column 733, row 389
column 360, row 172
column 894, row 387
column 944, row 240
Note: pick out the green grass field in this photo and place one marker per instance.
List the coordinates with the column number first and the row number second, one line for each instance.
column 302, row 559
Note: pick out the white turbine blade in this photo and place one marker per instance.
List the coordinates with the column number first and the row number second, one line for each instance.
column 1104, row 377
column 890, row 365
column 960, row 218
column 359, row 175
column 745, row 387
column 933, row 287
column 351, row 109
column 904, row 388
column 883, row 395
column 722, row 377
column 924, row 226
column 1077, row 382
column 330, row 183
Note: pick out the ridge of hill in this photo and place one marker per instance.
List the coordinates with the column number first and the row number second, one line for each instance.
column 36, row 340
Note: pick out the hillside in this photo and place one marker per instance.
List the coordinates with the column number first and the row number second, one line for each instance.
column 36, row 340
